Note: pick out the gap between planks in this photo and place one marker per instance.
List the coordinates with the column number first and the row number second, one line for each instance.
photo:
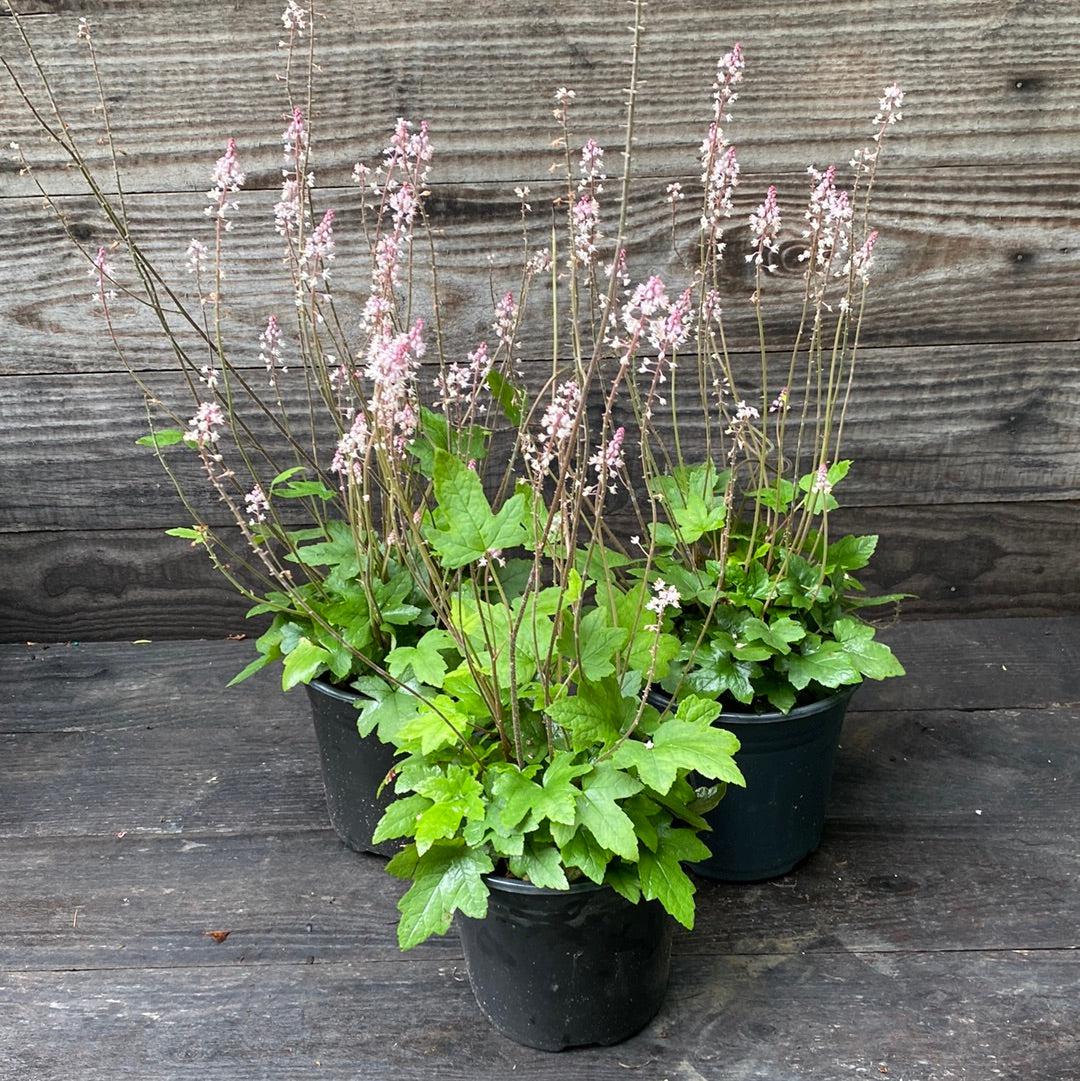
column 454, row 957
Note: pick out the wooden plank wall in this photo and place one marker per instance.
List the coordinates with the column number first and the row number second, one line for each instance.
column 966, row 430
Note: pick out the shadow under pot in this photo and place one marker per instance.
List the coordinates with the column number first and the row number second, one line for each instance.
column 554, row 969
column 353, row 768
column 765, row 829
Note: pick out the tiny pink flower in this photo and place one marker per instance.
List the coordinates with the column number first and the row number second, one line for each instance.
column 270, row 348
column 821, row 480
column 608, row 461
column 257, row 505
column 351, row 448
column 765, row 228
column 293, row 18
column 319, row 251
column 664, row 597
column 203, row 428
column 505, row 317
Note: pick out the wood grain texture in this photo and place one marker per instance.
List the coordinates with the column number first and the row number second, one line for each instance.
column 963, row 559
column 987, row 82
column 931, row 426
column 304, row 898
column 804, row 1017
column 966, row 664
column 195, row 758
column 967, row 255
column 969, row 393
column 922, row 940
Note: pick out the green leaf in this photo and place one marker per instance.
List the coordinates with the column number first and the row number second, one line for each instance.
column 850, row 553
column 777, row 690
column 623, row 879
column 602, row 816
column 827, row 664
column 425, row 659
column 588, row 855
column 541, row 865
column 597, row 644
column 437, row 433
column 873, row 659
column 185, row 533
column 777, row 496
column 285, row 474
column 303, row 663
column 691, row 501
column 399, row 819
column 716, row 673
column 662, row 876
column 305, row 489
column 678, row 745
column 428, row 731
column 596, row 714
column 695, row 710
column 446, row 879
column 463, row 528
column 340, row 548
column 455, row 795
column 163, row 437
column 560, row 792
column 387, row 709
column 778, row 635
column 509, row 397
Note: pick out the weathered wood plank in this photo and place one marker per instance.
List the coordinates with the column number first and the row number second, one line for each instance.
column 148, row 902
column 180, row 755
column 239, row 771
column 811, row 1017
column 963, row 423
column 174, row 100
column 960, row 248
column 983, row 559
column 959, row 664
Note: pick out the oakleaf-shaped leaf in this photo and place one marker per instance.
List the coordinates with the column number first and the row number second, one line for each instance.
column 448, row 878
column 873, row 659
column 601, row 815
column 827, row 664
column 303, row 663
column 678, row 745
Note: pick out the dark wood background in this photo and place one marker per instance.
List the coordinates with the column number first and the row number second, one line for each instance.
column 966, row 430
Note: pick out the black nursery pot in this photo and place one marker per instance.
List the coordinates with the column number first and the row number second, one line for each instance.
column 765, row 829
column 353, row 767
column 554, row 969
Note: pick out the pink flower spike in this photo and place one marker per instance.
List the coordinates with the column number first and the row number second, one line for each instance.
column 821, row 480
column 665, row 597
column 505, row 318
column 203, row 428
column 293, row 18
column 351, row 448
column 257, row 505
column 765, row 227
column 228, row 178
column 319, row 252
column 270, row 348
column 608, row 460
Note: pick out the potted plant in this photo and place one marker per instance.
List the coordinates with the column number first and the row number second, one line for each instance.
column 543, row 799
column 493, row 616
column 771, row 606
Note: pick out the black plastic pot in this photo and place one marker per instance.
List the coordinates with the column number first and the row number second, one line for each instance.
column 353, row 768
column 563, row 968
column 765, row 829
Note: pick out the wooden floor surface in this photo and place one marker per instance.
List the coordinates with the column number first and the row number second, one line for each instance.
column 933, row 937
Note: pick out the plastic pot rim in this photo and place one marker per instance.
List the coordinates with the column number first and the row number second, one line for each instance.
column 516, row 885
column 811, row 709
